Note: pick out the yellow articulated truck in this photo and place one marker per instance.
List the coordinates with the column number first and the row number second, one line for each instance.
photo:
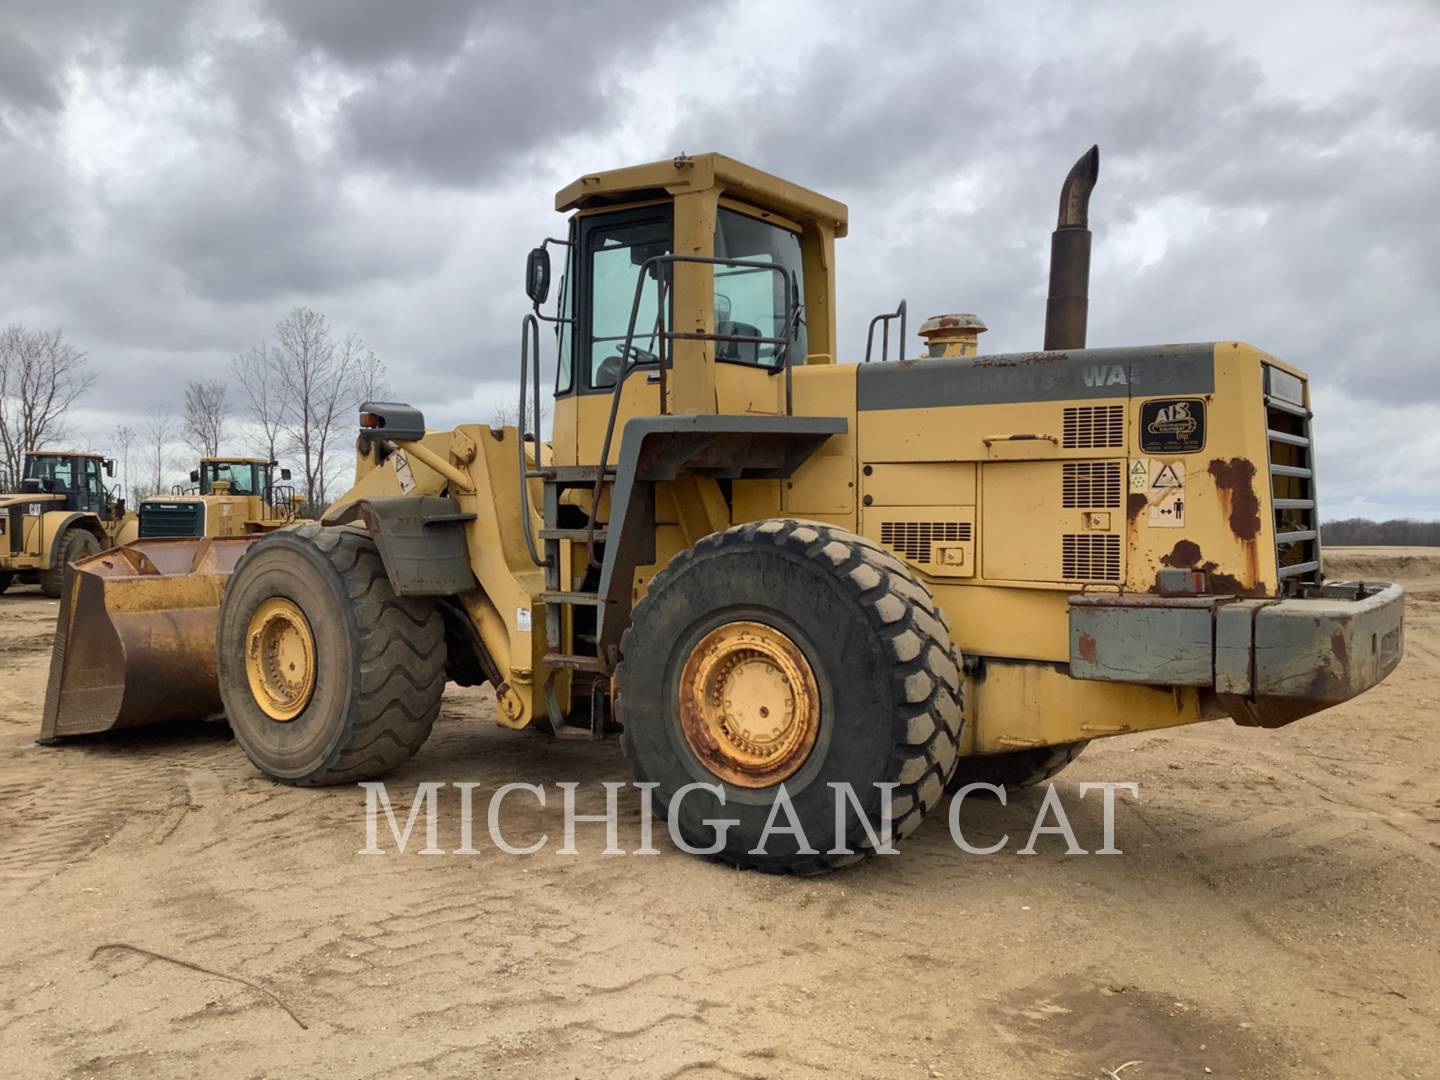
column 773, row 573
column 227, row 496
column 62, row 512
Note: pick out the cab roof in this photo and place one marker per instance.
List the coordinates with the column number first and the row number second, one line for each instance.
column 64, row 453
column 702, row 172
column 236, row 460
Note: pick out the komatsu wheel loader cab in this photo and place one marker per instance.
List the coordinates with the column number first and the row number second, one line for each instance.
column 803, row 590
column 62, row 512
column 227, row 496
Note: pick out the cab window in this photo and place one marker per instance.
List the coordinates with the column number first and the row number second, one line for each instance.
column 57, row 470
column 564, row 329
column 240, row 477
column 751, row 302
column 616, row 255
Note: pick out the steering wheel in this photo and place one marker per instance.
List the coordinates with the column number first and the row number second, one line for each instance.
column 636, row 354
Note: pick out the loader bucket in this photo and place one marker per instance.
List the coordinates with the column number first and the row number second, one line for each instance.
column 135, row 640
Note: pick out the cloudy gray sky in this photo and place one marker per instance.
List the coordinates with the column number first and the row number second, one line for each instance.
column 176, row 174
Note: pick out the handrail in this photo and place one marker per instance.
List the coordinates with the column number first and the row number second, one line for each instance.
column 627, row 365
column 884, row 320
column 529, row 333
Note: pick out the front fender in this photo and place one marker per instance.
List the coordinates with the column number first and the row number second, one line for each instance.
column 421, row 540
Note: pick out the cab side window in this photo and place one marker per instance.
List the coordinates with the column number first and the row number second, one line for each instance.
column 750, row 302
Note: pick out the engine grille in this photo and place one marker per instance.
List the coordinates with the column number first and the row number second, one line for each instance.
column 1091, row 485
column 1292, row 482
column 1093, row 427
column 912, row 539
column 1090, row 557
column 172, row 519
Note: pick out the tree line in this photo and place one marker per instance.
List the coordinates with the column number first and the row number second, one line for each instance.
column 294, row 395
column 1398, row 532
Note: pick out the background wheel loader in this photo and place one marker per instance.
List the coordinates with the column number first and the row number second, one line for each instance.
column 228, row 496
column 770, row 570
column 62, row 512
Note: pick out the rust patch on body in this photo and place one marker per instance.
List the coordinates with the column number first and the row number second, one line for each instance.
column 1085, row 646
column 1134, row 504
column 1183, row 556
column 1235, row 480
column 1229, row 584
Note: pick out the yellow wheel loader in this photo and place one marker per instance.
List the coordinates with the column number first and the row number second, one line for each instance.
column 227, row 496
column 770, row 571
column 62, row 512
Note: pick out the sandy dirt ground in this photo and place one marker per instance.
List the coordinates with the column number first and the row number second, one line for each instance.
column 1274, row 914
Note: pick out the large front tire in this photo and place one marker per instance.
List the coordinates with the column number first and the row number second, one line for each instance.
column 75, row 544
column 326, row 675
column 796, row 655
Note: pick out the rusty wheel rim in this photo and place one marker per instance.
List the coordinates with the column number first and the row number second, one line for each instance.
column 749, row 704
column 280, row 659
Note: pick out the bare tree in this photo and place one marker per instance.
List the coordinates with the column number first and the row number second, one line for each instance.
column 41, row 377
column 204, row 421
column 370, row 382
column 322, row 382
column 159, row 432
column 123, row 440
column 359, row 377
column 505, row 414
column 263, row 395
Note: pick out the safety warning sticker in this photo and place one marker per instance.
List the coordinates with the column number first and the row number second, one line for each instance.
column 403, row 472
column 1139, row 477
column 1166, row 497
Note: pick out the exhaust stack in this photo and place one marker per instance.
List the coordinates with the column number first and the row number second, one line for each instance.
column 1068, row 307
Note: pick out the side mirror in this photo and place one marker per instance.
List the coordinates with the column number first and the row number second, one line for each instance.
column 110, row 467
column 537, row 275
column 194, row 476
column 284, row 474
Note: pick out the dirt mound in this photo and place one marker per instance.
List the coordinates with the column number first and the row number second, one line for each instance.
column 1383, row 563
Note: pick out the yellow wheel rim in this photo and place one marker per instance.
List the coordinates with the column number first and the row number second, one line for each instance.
column 749, row 704
column 280, row 659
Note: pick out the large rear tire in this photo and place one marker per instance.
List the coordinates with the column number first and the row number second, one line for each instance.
column 796, row 655
column 75, row 544
column 1017, row 768
column 6, row 576
column 326, row 675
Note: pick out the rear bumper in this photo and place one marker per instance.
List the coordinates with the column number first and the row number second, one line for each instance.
column 1269, row 662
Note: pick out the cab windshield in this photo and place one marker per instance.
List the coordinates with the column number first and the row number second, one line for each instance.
column 244, row 478
column 55, row 469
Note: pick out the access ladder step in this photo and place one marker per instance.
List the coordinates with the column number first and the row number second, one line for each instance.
column 574, row 663
column 578, row 535
column 559, row 597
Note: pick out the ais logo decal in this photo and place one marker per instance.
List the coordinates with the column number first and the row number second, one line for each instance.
column 1173, row 426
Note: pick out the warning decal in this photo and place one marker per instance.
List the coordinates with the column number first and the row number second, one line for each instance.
column 1166, row 497
column 1139, row 477
column 1168, row 476
column 403, row 473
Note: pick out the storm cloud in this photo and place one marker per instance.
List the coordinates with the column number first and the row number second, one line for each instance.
column 175, row 175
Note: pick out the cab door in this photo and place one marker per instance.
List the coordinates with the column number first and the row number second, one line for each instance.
column 92, row 487
column 613, row 250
